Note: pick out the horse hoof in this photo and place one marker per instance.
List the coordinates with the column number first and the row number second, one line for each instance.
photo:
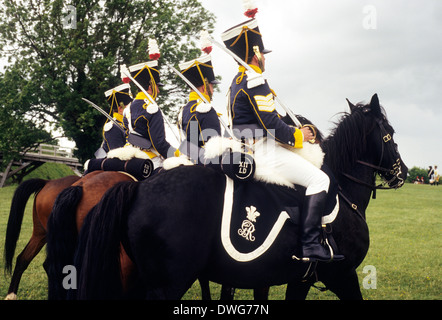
column 11, row 296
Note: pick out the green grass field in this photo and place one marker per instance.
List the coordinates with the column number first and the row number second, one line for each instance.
column 406, row 250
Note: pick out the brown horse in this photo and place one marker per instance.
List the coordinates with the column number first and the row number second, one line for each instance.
column 45, row 192
column 83, row 195
column 94, row 185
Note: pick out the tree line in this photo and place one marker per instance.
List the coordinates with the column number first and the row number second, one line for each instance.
column 60, row 51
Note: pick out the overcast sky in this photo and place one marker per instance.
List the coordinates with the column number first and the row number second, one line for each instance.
column 327, row 50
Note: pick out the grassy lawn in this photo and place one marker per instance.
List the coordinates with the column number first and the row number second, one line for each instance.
column 406, row 250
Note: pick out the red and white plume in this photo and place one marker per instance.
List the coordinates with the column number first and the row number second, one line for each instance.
column 123, row 72
column 206, row 43
column 154, row 51
column 250, row 8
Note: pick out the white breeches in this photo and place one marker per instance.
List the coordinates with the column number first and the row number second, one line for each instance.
column 294, row 168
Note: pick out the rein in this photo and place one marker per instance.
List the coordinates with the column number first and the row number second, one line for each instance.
column 383, row 186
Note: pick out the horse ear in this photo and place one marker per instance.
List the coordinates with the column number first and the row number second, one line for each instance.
column 374, row 105
column 351, row 105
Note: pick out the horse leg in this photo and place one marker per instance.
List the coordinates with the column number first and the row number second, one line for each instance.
column 261, row 293
column 344, row 284
column 227, row 293
column 297, row 290
column 129, row 276
column 37, row 241
column 174, row 291
column 205, row 289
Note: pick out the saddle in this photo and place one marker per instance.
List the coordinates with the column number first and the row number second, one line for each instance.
column 255, row 212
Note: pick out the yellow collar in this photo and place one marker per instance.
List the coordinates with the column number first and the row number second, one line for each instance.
column 195, row 96
column 242, row 70
column 142, row 96
column 256, row 68
column 118, row 117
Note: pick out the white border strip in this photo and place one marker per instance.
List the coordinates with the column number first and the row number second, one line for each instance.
column 332, row 216
column 225, row 229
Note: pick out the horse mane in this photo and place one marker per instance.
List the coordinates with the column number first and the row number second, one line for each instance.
column 347, row 142
column 303, row 120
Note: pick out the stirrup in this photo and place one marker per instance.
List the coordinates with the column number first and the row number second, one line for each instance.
column 308, row 260
column 301, row 259
column 333, row 257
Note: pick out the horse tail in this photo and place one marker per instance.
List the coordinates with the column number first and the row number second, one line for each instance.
column 18, row 205
column 61, row 239
column 98, row 251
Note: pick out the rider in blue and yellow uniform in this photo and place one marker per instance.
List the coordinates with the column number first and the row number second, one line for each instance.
column 118, row 98
column 199, row 120
column 144, row 120
column 252, row 106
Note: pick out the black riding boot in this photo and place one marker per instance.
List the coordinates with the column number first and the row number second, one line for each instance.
column 312, row 249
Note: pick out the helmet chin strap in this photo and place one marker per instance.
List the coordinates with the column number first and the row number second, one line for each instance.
column 259, row 56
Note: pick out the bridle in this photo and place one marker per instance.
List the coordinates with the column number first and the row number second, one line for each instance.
column 395, row 171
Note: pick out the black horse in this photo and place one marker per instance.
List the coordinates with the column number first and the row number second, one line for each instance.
column 170, row 224
column 360, row 148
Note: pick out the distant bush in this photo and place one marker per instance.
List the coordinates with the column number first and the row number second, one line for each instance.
column 417, row 172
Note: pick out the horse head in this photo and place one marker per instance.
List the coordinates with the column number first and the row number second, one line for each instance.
column 382, row 152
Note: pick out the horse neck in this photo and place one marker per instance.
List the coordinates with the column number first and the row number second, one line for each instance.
column 357, row 192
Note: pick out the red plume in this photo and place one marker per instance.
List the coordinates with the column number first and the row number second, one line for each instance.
column 251, row 13
column 154, row 56
column 154, row 51
column 206, row 42
column 207, row 50
column 123, row 77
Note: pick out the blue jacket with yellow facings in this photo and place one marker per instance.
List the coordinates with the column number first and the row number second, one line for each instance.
column 199, row 121
column 147, row 120
column 112, row 136
column 257, row 106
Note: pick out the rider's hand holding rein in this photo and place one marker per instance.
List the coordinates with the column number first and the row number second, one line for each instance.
column 307, row 133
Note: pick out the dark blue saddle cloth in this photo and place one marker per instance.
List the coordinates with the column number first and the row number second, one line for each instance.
column 257, row 206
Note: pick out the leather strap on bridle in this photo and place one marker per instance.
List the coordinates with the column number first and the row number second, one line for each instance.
column 386, row 137
column 350, row 203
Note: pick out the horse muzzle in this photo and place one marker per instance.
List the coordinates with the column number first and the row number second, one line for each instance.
column 395, row 178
